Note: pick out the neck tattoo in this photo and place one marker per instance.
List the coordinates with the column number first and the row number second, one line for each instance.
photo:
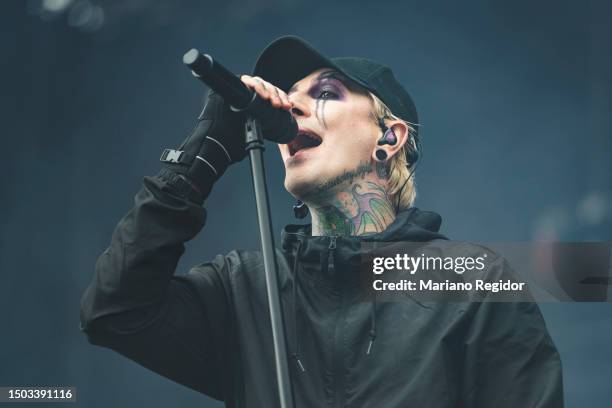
column 353, row 205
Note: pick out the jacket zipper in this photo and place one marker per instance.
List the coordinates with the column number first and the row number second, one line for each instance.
column 330, row 256
column 337, row 359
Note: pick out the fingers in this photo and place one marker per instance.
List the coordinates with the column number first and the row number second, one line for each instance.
column 267, row 91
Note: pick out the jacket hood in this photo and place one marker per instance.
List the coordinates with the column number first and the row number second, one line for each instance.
column 411, row 225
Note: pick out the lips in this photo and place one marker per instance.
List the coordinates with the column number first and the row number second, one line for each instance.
column 305, row 139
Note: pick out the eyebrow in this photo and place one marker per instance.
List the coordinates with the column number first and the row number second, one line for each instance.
column 329, row 74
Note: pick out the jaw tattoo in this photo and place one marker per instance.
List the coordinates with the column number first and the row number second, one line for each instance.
column 346, row 176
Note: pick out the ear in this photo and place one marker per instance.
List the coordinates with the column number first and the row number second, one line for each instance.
column 400, row 129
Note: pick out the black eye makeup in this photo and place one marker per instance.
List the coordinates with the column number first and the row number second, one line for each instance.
column 329, row 86
column 327, row 89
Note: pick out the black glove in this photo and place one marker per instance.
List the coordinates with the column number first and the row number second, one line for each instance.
column 216, row 142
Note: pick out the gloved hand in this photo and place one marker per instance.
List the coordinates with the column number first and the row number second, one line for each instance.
column 216, row 142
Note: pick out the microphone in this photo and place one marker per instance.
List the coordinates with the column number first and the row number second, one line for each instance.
column 277, row 125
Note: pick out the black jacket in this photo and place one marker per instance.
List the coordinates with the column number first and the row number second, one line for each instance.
column 209, row 329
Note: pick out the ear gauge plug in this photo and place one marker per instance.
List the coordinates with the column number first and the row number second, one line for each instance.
column 381, row 155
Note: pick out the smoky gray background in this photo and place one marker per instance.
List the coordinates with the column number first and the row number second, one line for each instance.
column 514, row 99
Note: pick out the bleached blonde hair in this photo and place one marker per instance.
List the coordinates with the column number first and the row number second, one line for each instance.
column 401, row 186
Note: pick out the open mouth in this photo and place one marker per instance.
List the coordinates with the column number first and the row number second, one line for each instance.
column 304, row 140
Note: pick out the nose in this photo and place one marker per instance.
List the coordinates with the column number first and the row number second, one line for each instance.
column 300, row 105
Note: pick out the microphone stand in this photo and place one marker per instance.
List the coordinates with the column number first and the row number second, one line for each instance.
column 255, row 147
column 214, row 75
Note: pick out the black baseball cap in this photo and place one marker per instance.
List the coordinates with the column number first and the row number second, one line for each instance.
column 288, row 59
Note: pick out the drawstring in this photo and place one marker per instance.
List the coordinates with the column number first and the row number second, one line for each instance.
column 296, row 352
column 372, row 333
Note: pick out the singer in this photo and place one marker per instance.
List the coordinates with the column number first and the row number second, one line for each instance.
column 351, row 166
